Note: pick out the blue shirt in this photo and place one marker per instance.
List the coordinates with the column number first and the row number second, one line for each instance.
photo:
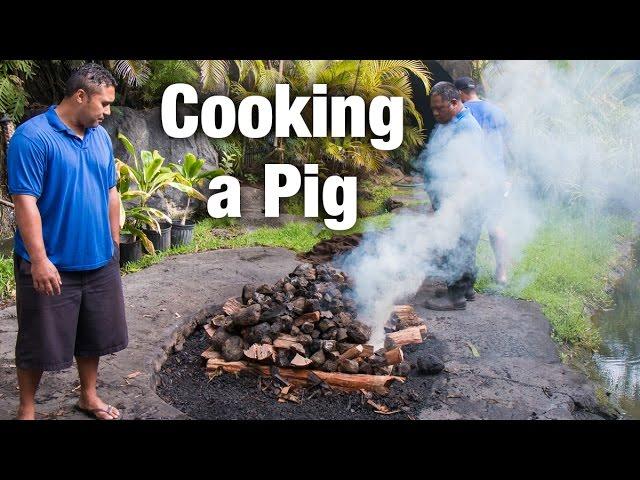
column 454, row 150
column 71, row 178
column 494, row 124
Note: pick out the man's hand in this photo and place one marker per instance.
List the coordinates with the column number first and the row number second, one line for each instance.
column 46, row 279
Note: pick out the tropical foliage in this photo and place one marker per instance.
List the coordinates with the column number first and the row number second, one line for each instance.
column 13, row 96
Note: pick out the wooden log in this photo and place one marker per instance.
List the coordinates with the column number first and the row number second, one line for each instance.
column 232, row 306
column 394, row 356
column 342, row 381
column 209, row 330
column 352, row 353
column 403, row 337
column 288, row 345
column 260, row 352
column 300, row 361
column 211, row 353
column 406, row 317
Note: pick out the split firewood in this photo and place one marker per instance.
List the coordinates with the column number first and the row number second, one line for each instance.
column 312, row 317
column 343, row 381
column 394, row 356
column 352, row 353
column 288, row 345
column 211, row 353
column 406, row 317
column 232, row 306
column 300, row 361
column 209, row 330
column 403, row 337
column 260, row 352
column 367, row 351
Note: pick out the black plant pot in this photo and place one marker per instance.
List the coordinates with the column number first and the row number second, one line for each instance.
column 182, row 234
column 161, row 241
column 130, row 249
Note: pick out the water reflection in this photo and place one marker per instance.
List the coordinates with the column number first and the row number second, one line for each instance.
column 618, row 359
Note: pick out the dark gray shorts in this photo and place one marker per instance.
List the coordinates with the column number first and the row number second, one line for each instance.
column 87, row 319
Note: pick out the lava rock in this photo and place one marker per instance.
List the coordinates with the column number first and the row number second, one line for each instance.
column 247, row 316
column 271, row 314
column 341, row 334
column 343, row 347
column 358, row 332
column 233, row 349
column 307, row 327
column 402, row 369
column 365, row 368
column 283, row 358
column 326, row 314
column 317, row 359
column 254, row 334
column 330, row 334
column 330, row 366
column 265, row 290
column 218, row 339
column 429, row 364
column 343, row 319
column 325, row 324
column 348, row 366
column 247, row 292
column 295, row 330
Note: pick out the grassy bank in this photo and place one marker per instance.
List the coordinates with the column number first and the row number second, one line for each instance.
column 565, row 268
column 212, row 234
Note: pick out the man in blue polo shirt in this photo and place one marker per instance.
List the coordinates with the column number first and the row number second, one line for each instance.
column 69, row 298
column 496, row 130
column 454, row 163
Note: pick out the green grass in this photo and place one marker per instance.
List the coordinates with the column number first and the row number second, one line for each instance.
column 379, row 192
column 565, row 268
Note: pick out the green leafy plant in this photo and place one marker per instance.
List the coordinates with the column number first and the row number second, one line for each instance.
column 188, row 175
column 150, row 176
column 13, row 97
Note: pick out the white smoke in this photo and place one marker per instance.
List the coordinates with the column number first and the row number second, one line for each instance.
column 574, row 127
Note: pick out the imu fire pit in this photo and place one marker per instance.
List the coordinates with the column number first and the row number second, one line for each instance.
column 303, row 331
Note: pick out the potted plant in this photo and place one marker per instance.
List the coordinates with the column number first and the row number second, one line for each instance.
column 139, row 218
column 188, row 176
column 150, row 176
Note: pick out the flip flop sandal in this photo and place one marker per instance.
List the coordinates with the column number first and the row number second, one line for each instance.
column 92, row 412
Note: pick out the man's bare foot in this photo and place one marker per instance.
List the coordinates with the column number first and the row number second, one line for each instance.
column 26, row 413
column 98, row 408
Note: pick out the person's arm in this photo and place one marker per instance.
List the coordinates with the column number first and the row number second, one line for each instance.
column 114, row 214
column 46, row 279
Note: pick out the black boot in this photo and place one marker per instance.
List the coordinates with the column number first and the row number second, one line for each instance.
column 451, row 301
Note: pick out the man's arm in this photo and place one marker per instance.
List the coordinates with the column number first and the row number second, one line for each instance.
column 46, row 279
column 114, row 214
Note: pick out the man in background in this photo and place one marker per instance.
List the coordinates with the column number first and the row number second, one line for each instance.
column 454, row 179
column 495, row 127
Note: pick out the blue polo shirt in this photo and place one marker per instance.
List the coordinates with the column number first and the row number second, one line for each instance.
column 71, row 178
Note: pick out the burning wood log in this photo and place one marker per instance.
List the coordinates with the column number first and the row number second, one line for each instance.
column 394, row 356
column 403, row 337
column 260, row 352
column 232, row 306
column 343, row 381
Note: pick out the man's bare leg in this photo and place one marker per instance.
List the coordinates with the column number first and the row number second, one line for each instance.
column 28, row 381
column 88, row 372
column 498, row 239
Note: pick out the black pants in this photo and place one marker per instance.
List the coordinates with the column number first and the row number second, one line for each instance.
column 459, row 263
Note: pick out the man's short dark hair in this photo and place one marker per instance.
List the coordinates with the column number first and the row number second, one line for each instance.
column 446, row 90
column 89, row 78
